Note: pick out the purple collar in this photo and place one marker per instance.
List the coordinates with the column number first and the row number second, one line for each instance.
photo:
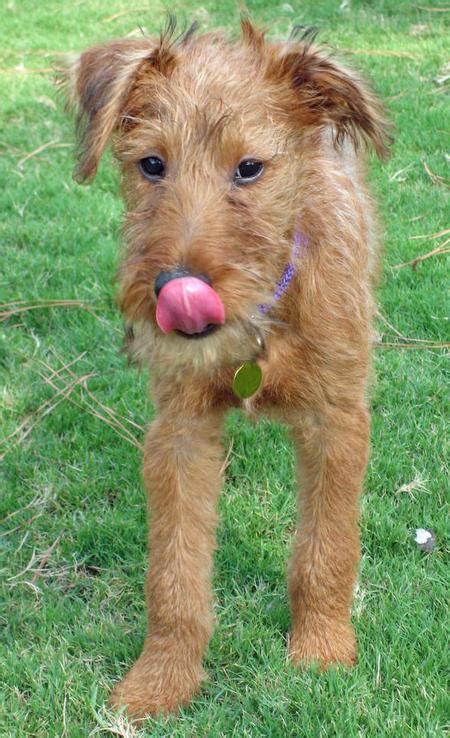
column 298, row 248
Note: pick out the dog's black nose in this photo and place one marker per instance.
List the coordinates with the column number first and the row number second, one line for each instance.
column 164, row 277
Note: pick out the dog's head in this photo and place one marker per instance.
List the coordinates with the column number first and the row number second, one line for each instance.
column 218, row 145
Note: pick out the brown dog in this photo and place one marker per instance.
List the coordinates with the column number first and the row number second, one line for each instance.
column 247, row 281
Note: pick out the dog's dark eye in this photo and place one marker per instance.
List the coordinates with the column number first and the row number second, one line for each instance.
column 152, row 167
column 248, row 170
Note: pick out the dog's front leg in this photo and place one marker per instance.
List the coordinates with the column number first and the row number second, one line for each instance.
column 332, row 449
column 182, row 470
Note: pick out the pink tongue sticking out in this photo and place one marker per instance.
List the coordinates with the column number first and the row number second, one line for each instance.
column 188, row 304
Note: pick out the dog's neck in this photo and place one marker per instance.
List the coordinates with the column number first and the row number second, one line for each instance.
column 299, row 245
column 248, row 376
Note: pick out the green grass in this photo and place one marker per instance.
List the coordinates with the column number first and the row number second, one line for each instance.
column 73, row 552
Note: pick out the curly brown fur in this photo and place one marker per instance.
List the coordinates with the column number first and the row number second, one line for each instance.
column 202, row 103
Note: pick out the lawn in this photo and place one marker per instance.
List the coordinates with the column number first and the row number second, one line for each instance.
column 73, row 550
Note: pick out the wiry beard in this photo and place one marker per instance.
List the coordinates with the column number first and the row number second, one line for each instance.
column 174, row 355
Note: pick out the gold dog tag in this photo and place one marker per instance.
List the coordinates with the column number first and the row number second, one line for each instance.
column 247, row 380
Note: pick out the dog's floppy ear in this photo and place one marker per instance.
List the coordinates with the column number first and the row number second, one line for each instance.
column 328, row 92
column 98, row 83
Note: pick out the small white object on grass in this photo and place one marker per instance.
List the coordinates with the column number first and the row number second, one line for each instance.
column 425, row 539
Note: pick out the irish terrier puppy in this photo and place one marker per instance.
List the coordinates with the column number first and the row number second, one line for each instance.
column 246, row 281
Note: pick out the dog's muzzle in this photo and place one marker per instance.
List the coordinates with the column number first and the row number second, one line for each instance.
column 187, row 304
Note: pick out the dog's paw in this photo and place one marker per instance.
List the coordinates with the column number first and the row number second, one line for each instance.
column 325, row 643
column 153, row 687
